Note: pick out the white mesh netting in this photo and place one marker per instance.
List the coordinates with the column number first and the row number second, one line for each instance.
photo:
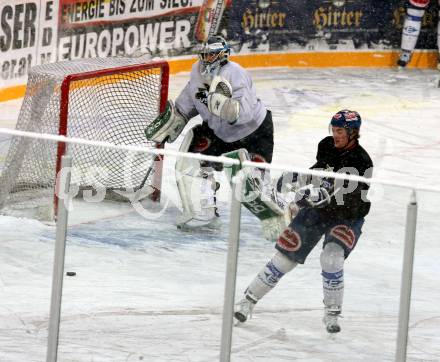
column 115, row 101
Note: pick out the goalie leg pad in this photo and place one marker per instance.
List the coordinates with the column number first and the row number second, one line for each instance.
column 196, row 188
column 185, row 168
column 167, row 126
column 263, row 205
column 259, row 203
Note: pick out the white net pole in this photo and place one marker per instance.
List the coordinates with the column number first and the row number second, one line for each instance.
column 407, row 272
column 231, row 270
column 58, row 265
column 222, row 159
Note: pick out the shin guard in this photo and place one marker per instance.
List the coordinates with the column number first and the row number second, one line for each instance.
column 269, row 276
column 332, row 263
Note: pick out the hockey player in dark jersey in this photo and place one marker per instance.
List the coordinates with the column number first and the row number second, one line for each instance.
column 331, row 208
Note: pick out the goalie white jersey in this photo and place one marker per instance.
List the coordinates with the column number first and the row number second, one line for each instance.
column 251, row 114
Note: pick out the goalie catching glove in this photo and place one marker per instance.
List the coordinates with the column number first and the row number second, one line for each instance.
column 220, row 102
column 167, row 126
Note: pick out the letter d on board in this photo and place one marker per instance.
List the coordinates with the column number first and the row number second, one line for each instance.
column 47, row 37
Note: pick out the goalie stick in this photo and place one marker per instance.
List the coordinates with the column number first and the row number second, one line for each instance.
column 138, row 193
column 141, row 186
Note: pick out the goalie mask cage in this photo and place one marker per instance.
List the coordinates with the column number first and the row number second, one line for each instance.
column 101, row 99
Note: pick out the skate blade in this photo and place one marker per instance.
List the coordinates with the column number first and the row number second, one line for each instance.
column 331, row 336
column 186, row 223
column 238, row 323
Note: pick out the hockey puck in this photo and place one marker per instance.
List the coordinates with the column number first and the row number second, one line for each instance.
column 71, row 274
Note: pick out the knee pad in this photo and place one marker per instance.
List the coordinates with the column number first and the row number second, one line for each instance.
column 332, row 258
column 283, row 263
column 199, row 141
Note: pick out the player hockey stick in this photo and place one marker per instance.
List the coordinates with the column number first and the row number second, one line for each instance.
column 208, row 21
column 438, row 74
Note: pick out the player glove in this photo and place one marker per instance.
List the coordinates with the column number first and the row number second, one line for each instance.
column 287, row 181
column 311, row 196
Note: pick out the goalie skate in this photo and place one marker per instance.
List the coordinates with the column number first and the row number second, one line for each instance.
column 263, row 205
column 208, row 222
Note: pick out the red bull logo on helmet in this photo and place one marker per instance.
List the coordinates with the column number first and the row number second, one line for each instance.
column 346, row 118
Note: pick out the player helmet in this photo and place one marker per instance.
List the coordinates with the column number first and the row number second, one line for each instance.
column 346, row 119
column 213, row 54
column 350, row 120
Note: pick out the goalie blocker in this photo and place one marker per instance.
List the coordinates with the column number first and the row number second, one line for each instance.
column 167, row 126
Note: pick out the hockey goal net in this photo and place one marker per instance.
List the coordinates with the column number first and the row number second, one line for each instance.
column 100, row 99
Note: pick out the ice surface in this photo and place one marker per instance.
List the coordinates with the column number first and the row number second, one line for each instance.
column 144, row 291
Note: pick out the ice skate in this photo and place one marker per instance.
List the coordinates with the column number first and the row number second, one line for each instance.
column 404, row 58
column 243, row 309
column 331, row 315
column 207, row 218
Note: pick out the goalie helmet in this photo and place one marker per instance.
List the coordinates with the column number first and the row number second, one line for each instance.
column 213, row 54
column 350, row 120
